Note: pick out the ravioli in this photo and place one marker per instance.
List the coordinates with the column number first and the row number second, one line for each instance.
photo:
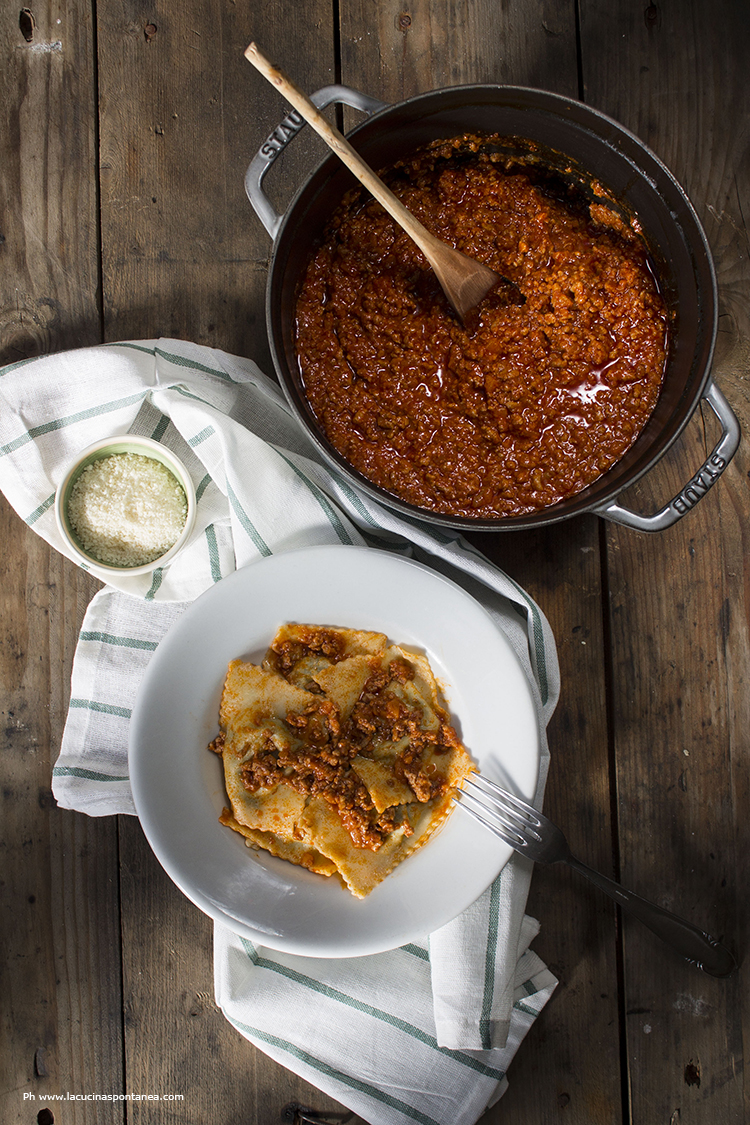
column 338, row 753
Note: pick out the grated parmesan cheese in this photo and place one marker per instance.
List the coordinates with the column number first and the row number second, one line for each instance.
column 126, row 509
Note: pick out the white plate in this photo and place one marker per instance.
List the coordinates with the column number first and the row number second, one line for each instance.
column 178, row 783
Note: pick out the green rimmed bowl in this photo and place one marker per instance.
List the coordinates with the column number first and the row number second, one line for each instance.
column 106, row 447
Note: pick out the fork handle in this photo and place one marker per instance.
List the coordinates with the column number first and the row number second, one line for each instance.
column 696, row 946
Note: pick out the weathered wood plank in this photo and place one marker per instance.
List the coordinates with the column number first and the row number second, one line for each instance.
column 60, row 1029
column 182, row 113
column 59, row 931
column 679, row 638
column 556, row 1075
column 403, row 49
column 49, row 262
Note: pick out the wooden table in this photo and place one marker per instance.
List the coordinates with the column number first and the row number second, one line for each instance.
column 126, row 132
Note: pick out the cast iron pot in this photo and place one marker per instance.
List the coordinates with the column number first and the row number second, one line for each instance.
column 587, row 146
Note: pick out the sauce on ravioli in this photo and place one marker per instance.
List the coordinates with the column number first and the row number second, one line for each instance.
column 338, row 752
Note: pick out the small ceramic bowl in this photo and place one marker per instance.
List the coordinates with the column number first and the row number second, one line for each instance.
column 127, row 443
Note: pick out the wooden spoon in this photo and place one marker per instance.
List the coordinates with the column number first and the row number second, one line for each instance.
column 464, row 281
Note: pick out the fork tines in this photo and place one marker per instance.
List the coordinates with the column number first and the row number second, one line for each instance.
column 510, row 818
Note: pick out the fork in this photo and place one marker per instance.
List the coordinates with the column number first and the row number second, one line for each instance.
column 532, row 834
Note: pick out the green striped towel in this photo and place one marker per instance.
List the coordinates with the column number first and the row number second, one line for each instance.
column 419, row 1034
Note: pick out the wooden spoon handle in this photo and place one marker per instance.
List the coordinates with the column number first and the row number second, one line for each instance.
column 465, row 282
column 338, row 142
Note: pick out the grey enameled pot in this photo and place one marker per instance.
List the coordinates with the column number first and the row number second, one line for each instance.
column 577, row 137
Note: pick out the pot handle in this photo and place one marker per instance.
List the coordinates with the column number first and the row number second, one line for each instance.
column 277, row 141
column 699, row 485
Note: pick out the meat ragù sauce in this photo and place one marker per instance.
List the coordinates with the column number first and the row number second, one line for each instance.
column 539, row 393
column 321, row 765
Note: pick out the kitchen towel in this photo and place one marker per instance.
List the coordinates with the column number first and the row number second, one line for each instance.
column 423, row 1033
